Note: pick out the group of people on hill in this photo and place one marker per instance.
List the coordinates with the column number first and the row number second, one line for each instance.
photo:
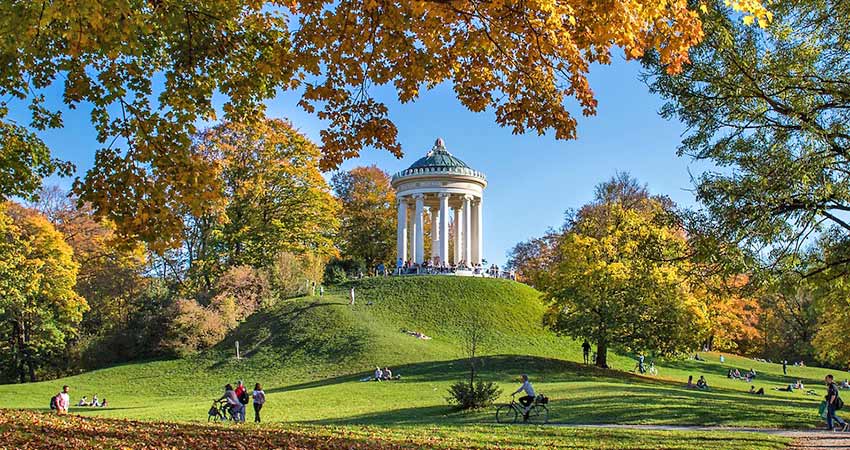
column 735, row 374
column 385, row 374
column 429, row 267
column 700, row 384
column 238, row 399
column 94, row 402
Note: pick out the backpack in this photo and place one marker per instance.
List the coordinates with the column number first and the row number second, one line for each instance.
column 243, row 397
column 54, row 402
column 838, row 403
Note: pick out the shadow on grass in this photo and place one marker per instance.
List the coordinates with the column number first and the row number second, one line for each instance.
column 492, row 368
column 722, row 370
column 619, row 397
column 289, row 329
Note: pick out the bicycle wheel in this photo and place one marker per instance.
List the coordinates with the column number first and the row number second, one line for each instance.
column 538, row 414
column 506, row 414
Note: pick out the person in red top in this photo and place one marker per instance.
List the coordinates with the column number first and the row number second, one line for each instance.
column 240, row 389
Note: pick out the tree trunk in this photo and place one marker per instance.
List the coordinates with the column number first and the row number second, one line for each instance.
column 602, row 354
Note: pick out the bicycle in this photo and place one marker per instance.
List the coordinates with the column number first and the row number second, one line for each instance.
column 220, row 412
column 650, row 369
column 537, row 412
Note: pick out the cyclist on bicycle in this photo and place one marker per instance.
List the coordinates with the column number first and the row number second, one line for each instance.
column 528, row 399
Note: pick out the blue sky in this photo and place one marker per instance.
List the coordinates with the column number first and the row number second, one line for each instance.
column 532, row 179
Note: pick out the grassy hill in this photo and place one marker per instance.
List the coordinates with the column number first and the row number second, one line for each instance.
column 310, row 354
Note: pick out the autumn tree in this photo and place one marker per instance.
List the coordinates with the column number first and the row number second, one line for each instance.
column 772, row 108
column 39, row 310
column 532, row 259
column 619, row 277
column 150, row 70
column 111, row 271
column 368, row 214
column 274, row 199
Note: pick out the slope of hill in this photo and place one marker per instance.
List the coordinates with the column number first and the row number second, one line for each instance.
column 310, row 354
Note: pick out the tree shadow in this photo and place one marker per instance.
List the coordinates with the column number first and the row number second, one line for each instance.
column 292, row 329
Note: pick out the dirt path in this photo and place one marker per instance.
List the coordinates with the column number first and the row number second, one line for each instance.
column 819, row 440
column 803, row 439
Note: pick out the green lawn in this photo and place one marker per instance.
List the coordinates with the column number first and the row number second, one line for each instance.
column 310, row 353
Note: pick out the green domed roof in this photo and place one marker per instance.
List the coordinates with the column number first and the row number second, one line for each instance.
column 438, row 160
column 438, row 157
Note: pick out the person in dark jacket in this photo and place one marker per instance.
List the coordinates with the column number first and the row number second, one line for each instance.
column 831, row 403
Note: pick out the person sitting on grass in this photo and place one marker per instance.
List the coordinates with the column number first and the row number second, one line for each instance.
column 528, row 398
column 83, row 401
column 799, row 385
column 845, row 384
column 379, row 374
column 690, row 384
column 388, row 374
column 736, row 374
column 756, row 392
column 103, row 403
column 701, row 383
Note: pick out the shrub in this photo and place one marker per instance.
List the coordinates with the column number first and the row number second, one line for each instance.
column 193, row 327
column 291, row 273
column 335, row 275
column 246, row 286
column 353, row 268
column 467, row 395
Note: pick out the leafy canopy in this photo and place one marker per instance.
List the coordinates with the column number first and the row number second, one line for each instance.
column 771, row 108
column 620, row 278
column 368, row 214
column 39, row 309
column 149, row 69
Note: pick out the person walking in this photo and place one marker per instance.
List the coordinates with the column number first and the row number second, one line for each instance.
column 784, row 367
column 351, row 296
column 585, row 348
column 259, row 400
column 833, row 402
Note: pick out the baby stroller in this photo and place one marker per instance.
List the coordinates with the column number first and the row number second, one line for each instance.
column 219, row 412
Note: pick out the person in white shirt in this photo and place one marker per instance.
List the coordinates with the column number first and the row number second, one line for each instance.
column 528, row 398
column 379, row 374
column 259, row 400
column 83, row 401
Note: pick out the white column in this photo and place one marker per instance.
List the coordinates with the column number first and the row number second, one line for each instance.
column 420, row 231
column 444, row 228
column 411, row 236
column 467, row 230
column 401, row 230
column 474, row 251
column 458, row 234
column 478, row 245
column 435, row 234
